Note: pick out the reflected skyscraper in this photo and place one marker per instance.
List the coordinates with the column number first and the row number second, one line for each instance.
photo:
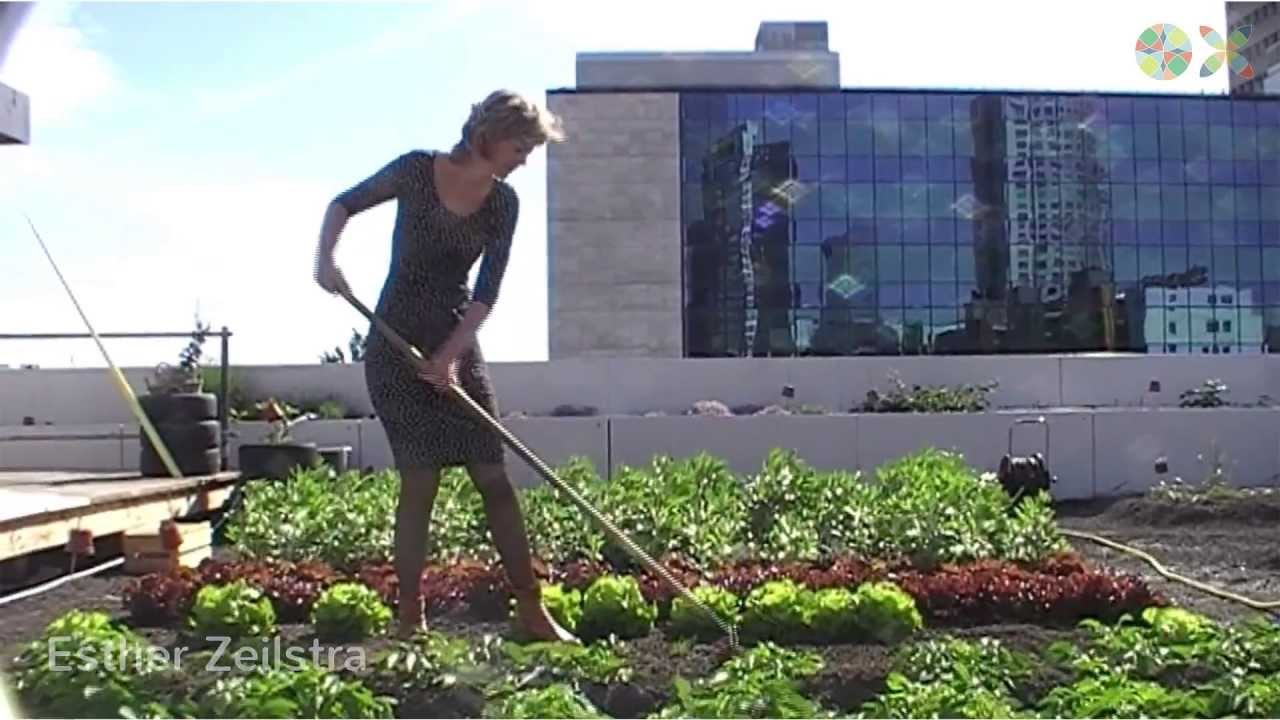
column 931, row 222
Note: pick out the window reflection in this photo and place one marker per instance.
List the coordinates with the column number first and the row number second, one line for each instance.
column 928, row 223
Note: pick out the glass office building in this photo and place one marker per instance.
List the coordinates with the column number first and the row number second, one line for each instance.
column 876, row 222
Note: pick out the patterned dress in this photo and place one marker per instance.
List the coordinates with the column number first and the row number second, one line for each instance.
column 423, row 299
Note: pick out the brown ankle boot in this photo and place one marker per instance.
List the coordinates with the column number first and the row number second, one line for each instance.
column 536, row 621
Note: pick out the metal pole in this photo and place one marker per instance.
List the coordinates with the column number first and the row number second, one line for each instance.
column 224, row 412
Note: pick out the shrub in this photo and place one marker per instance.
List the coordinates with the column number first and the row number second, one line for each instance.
column 906, row 698
column 927, row 508
column 691, row 508
column 315, row 516
column 350, row 612
column 303, row 690
column 969, row 397
column 764, row 681
column 557, row 700
column 86, row 665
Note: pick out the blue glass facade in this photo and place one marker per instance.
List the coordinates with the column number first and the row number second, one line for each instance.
column 870, row 222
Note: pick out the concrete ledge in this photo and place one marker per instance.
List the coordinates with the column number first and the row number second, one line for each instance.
column 1127, row 444
column 1124, row 381
column 97, row 446
column 1093, row 452
column 620, row 384
column 15, row 117
column 556, row 441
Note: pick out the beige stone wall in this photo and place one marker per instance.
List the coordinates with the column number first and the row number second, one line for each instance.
column 613, row 234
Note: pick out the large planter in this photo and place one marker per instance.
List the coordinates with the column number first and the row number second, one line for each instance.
column 277, row 461
column 187, row 423
column 337, row 457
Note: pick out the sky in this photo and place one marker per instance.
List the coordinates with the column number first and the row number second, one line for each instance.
column 182, row 154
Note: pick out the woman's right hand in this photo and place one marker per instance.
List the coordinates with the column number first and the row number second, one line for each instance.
column 331, row 278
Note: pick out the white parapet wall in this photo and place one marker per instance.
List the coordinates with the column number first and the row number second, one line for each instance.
column 634, row 386
column 1093, row 453
column 1110, row 418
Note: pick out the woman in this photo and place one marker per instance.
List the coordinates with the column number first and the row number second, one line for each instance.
column 452, row 208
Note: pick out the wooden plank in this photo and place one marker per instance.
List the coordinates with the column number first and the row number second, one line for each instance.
column 16, row 504
column 47, row 530
column 134, row 488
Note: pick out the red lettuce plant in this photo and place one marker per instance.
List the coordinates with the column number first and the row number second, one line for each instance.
column 161, row 598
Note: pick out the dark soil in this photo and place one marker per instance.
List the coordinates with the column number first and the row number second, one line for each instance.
column 1238, row 512
column 1234, row 545
column 1231, row 544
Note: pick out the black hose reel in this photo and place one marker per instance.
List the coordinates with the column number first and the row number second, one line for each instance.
column 1024, row 475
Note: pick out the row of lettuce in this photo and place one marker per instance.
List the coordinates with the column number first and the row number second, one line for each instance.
column 1164, row 663
column 924, row 509
column 610, row 606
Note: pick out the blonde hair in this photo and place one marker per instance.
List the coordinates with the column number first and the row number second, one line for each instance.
column 506, row 115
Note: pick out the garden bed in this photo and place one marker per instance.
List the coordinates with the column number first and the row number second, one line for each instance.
column 999, row 602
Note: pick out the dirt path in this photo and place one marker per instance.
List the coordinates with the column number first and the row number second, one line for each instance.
column 1231, row 545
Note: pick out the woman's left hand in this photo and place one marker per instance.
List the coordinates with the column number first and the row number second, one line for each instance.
column 440, row 372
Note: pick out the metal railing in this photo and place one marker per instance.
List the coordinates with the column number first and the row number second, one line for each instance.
column 224, row 410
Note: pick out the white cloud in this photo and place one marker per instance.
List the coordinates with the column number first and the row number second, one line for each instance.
column 52, row 61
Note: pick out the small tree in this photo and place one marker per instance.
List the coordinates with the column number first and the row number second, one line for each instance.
column 187, row 375
column 356, row 346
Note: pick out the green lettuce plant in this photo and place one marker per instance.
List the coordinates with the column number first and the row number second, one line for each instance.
column 349, row 612
column 885, row 612
column 689, row 620
column 235, row 610
column 613, row 604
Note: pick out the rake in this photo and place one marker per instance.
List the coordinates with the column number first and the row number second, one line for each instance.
column 416, row 355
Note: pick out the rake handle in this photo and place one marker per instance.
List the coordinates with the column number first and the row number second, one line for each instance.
column 546, row 472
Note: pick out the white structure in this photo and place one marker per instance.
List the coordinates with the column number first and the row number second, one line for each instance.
column 1219, row 320
column 15, row 108
column 787, row 55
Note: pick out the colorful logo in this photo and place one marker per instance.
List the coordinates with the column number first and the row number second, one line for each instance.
column 1164, row 52
column 1228, row 50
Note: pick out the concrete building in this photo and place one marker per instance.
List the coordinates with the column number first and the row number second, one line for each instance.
column 1263, row 48
column 1206, row 320
column 614, row 191
column 745, row 204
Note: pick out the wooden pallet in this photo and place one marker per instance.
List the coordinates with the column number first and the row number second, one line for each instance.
column 43, row 510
